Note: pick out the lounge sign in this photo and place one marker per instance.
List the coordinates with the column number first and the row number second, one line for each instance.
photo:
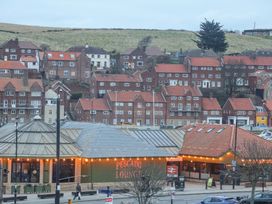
column 172, row 171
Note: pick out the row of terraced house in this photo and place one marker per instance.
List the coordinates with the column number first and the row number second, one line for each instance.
column 147, row 95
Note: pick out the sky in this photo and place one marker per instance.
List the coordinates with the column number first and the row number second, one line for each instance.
column 146, row 14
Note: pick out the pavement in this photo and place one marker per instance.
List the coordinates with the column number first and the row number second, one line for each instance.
column 191, row 188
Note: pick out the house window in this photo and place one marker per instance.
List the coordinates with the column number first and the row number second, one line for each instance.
column 161, row 75
column 147, row 112
column 149, row 79
column 180, row 98
column 9, row 93
column 35, row 103
column 6, row 50
column 22, row 102
column 13, row 50
column 101, row 83
column 50, row 112
column 13, row 111
column 137, row 84
column 218, row 84
column 185, row 75
column 173, row 98
column 105, row 64
column 129, row 112
column 106, row 112
column 98, row 64
column 195, row 68
column 5, row 111
column 65, row 72
column 60, row 63
column 140, row 63
column 13, row 57
column 21, row 112
column 139, row 105
column 28, row 51
column 93, row 112
column 176, row 75
column 36, row 93
column 148, row 104
column 210, row 76
column 129, row 104
column 195, row 98
column 112, row 84
column 126, row 84
column 72, row 64
column 218, row 76
column 169, row 75
column 5, row 103
column 194, row 76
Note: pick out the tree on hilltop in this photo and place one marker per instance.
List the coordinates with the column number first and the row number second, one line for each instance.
column 211, row 36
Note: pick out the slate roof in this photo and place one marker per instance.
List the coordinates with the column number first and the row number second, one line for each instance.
column 170, row 140
column 88, row 49
column 38, row 140
column 104, row 141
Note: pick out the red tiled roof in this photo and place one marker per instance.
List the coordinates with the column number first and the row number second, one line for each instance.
column 241, row 104
column 63, row 56
column 170, row 68
column 246, row 60
column 210, row 104
column 130, row 96
column 117, row 77
column 182, row 90
column 28, row 59
column 205, row 62
column 213, row 140
column 93, row 104
column 12, row 65
column 268, row 104
column 18, row 84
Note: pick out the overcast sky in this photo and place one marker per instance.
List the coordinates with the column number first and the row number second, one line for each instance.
column 156, row 14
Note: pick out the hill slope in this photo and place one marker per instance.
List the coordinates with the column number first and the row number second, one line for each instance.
column 121, row 39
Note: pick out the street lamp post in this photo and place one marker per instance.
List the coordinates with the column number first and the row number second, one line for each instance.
column 16, row 158
column 234, row 163
column 57, row 197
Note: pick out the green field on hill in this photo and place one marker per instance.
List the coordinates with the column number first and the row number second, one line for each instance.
column 121, row 39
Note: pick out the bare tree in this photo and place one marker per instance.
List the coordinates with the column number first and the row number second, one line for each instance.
column 145, row 182
column 255, row 155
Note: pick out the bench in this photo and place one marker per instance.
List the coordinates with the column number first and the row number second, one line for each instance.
column 7, row 199
column 86, row 193
column 48, row 195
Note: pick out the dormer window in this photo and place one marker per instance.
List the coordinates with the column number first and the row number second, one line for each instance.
column 72, row 56
column 49, row 55
column 61, row 55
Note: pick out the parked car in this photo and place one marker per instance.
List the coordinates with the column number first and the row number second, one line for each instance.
column 219, row 200
column 260, row 198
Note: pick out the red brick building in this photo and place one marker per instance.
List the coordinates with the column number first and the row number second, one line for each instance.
column 171, row 75
column 101, row 83
column 206, row 72
column 21, row 98
column 67, row 66
column 211, row 111
column 13, row 69
column 238, row 69
column 15, row 49
column 241, row 110
column 184, row 104
column 137, row 107
column 95, row 110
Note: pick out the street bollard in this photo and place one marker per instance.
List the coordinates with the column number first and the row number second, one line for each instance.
column 69, row 201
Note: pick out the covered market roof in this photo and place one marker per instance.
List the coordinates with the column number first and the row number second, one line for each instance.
column 37, row 139
column 105, row 141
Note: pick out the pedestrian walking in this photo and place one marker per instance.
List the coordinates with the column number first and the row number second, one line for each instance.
column 78, row 192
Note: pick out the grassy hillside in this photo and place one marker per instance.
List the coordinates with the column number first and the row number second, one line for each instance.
column 121, row 39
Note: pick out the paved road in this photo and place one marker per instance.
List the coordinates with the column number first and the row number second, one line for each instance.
column 178, row 199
